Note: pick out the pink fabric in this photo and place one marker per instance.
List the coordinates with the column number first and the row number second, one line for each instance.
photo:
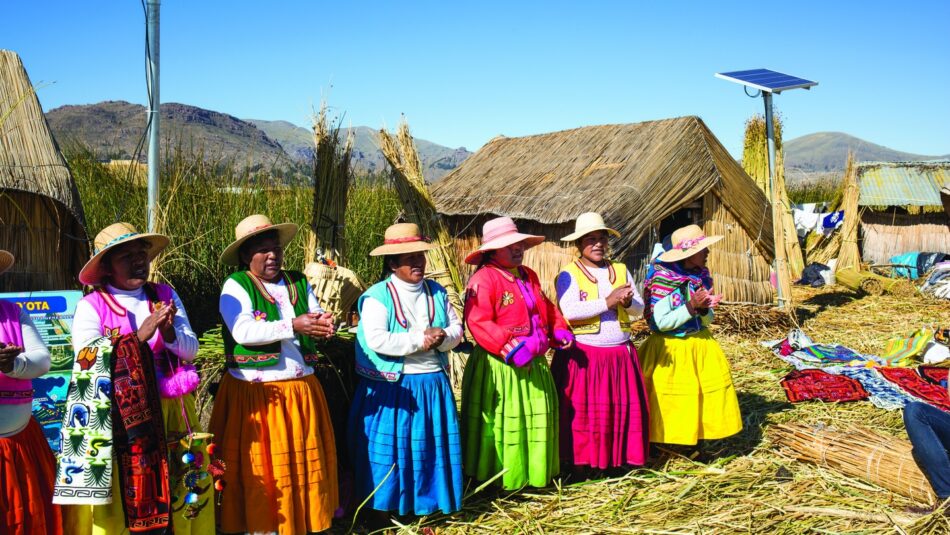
column 603, row 404
column 13, row 391
column 175, row 378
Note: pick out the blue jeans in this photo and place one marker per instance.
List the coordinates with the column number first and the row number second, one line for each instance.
column 929, row 430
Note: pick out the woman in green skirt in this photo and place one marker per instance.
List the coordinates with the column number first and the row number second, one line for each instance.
column 509, row 401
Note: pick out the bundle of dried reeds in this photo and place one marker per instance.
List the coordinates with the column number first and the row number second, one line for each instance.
column 848, row 255
column 400, row 152
column 859, row 452
column 331, row 181
column 755, row 161
column 873, row 284
column 336, row 287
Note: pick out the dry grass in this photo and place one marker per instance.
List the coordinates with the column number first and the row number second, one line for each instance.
column 749, row 488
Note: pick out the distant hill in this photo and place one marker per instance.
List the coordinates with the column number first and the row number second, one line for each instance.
column 827, row 152
column 297, row 141
column 112, row 129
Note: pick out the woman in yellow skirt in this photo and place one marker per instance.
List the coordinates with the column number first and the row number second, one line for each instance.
column 115, row 322
column 687, row 376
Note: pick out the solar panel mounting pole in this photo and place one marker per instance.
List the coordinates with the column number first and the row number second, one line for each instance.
column 781, row 255
column 768, row 82
column 152, row 26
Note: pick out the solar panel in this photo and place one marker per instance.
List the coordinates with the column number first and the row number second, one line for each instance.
column 766, row 80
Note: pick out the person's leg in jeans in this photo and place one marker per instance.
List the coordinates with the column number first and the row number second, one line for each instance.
column 929, row 430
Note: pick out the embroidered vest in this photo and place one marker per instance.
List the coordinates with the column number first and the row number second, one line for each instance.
column 372, row 365
column 265, row 309
column 175, row 378
column 13, row 391
column 587, row 284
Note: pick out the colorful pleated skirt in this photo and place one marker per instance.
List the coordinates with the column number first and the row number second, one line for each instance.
column 27, row 473
column 404, row 437
column 180, row 418
column 690, row 389
column 277, row 443
column 509, row 421
column 603, row 402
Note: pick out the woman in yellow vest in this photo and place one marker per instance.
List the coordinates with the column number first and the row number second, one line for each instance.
column 604, row 419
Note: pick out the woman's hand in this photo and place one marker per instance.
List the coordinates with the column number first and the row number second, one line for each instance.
column 315, row 325
column 166, row 323
column 8, row 356
column 432, row 338
column 701, row 299
column 621, row 295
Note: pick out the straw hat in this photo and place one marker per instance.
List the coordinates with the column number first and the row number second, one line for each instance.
column 687, row 241
column 586, row 223
column 6, row 260
column 402, row 238
column 251, row 226
column 499, row 233
column 112, row 236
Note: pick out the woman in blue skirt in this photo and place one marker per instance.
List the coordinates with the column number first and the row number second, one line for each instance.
column 403, row 428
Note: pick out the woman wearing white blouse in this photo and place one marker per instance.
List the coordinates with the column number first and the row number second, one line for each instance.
column 403, row 427
column 270, row 420
column 27, row 466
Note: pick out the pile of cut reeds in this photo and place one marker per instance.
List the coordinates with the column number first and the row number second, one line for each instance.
column 859, row 452
column 765, row 321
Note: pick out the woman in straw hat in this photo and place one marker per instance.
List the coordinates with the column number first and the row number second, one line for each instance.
column 687, row 375
column 121, row 317
column 509, row 401
column 403, row 417
column 604, row 413
column 27, row 466
column 270, row 420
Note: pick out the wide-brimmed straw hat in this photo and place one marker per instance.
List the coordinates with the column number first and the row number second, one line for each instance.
column 112, row 236
column 499, row 233
column 686, row 242
column 6, row 260
column 586, row 223
column 402, row 238
column 251, row 226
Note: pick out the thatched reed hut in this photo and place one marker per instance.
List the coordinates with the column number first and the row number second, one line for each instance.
column 41, row 218
column 901, row 209
column 646, row 179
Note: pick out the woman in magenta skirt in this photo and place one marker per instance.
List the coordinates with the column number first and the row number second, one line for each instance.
column 603, row 404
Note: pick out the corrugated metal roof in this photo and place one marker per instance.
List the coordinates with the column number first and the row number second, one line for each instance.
column 902, row 183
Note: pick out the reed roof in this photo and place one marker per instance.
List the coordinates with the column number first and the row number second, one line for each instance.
column 633, row 174
column 30, row 159
column 902, row 183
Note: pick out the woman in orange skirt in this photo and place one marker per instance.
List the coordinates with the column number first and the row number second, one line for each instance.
column 270, row 421
column 27, row 465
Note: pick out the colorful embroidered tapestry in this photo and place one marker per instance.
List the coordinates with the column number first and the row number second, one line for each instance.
column 114, row 407
column 807, row 385
column 917, row 386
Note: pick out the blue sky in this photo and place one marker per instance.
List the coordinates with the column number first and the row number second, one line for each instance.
column 463, row 73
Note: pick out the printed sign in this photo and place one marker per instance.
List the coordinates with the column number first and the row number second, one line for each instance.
column 52, row 313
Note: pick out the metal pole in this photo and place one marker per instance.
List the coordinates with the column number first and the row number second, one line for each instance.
column 779, row 239
column 152, row 14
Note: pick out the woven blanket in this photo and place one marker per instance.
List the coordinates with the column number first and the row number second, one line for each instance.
column 807, row 385
column 900, row 350
column 934, row 374
column 883, row 393
column 917, row 386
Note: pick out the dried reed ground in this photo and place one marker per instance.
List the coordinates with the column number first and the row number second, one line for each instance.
column 749, row 488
